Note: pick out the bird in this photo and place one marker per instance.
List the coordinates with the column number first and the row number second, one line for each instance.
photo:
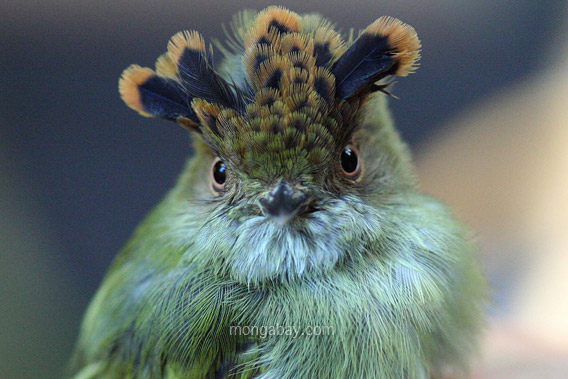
column 296, row 242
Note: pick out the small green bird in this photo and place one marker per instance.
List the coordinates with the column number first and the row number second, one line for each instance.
column 295, row 243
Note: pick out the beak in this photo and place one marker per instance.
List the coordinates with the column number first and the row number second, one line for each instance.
column 284, row 202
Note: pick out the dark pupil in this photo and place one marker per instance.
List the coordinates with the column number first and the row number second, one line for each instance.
column 219, row 172
column 349, row 160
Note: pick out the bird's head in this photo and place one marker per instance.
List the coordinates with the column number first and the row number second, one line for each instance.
column 294, row 161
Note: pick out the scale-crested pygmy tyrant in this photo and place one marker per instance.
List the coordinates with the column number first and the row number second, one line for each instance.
column 295, row 244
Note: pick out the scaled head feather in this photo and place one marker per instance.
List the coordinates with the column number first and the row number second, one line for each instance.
column 302, row 92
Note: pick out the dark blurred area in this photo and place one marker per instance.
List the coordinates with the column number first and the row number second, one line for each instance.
column 79, row 170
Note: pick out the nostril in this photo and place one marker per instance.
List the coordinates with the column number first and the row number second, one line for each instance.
column 283, row 201
column 282, row 190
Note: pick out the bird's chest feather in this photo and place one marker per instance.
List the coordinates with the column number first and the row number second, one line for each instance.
column 341, row 322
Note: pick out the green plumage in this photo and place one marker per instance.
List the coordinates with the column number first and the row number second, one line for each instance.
column 383, row 271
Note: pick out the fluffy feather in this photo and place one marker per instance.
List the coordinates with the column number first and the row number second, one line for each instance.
column 385, row 272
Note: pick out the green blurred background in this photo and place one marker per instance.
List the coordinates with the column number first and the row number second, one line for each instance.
column 78, row 170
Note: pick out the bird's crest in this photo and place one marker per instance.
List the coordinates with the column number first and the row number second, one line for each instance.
column 302, row 89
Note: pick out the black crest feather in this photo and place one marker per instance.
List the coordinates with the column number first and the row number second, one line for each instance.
column 365, row 62
column 386, row 47
column 196, row 73
column 154, row 96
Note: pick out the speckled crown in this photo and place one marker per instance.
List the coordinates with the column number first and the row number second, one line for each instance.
column 302, row 88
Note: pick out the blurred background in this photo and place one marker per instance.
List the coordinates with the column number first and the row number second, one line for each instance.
column 486, row 115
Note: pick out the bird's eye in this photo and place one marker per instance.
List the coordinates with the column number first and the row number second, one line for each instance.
column 349, row 161
column 218, row 175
